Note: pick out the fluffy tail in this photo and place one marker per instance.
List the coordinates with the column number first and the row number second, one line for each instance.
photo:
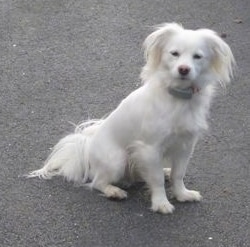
column 69, row 157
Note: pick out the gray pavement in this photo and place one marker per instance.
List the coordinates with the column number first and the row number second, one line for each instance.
column 64, row 61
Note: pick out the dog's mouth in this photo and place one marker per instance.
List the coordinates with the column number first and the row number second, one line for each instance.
column 183, row 78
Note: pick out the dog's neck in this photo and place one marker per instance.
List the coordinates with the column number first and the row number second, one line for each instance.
column 183, row 93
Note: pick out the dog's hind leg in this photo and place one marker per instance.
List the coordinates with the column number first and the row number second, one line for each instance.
column 108, row 171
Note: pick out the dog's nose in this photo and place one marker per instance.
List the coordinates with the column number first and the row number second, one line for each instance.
column 184, row 70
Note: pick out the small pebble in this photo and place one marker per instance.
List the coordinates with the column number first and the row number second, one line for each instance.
column 223, row 35
column 238, row 20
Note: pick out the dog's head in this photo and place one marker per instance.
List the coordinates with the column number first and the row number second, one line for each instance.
column 186, row 57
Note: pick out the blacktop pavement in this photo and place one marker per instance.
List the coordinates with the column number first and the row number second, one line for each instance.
column 63, row 61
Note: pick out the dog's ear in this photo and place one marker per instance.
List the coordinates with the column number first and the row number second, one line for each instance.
column 154, row 44
column 223, row 62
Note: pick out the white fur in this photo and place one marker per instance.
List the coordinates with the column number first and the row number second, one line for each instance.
column 150, row 129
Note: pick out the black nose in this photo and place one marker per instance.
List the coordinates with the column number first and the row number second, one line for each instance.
column 184, row 70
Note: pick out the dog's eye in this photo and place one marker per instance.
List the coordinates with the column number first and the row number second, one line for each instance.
column 175, row 53
column 197, row 56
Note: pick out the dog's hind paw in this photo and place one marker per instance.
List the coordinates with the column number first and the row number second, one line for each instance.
column 167, row 172
column 114, row 192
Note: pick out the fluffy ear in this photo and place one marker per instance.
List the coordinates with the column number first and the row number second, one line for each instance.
column 223, row 62
column 153, row 46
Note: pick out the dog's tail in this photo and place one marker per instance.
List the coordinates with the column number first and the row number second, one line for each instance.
column 69, row 157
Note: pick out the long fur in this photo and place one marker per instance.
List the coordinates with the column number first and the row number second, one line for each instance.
column 151, row 128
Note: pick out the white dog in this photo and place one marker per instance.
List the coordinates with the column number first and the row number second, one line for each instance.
column 154, row 130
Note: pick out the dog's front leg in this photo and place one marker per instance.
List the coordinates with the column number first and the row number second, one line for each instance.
column 160, row 203
column 180, row 159
column 149, row 164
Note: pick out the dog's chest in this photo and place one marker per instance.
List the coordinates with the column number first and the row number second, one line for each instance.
column 171, row 121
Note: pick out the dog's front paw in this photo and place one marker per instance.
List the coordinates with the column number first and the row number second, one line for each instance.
column 164, row 207
column 188, row 196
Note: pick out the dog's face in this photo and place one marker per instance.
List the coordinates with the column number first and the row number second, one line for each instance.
column 187, row 57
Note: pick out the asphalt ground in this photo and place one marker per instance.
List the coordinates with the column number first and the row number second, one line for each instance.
column 63, row 61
